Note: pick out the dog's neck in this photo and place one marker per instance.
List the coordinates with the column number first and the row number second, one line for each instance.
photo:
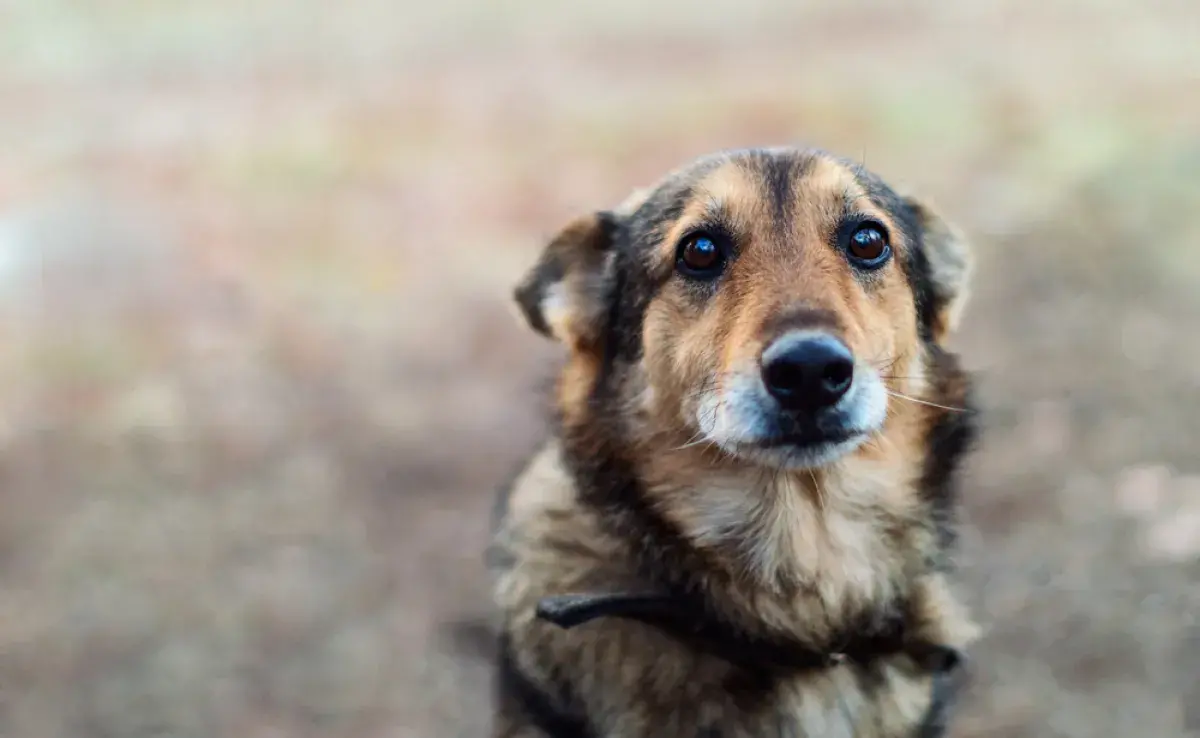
column 833, row 543
column 691, row 591
column 778, row 563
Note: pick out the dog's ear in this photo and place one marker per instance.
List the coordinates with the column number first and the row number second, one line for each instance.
column 565, row 295
column 950, row 267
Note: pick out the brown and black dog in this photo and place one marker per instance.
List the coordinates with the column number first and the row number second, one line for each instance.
column 742, row 525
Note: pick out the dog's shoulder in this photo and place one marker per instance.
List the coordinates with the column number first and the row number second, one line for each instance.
column 535, row 485
column 542, row 533
column 538, row 474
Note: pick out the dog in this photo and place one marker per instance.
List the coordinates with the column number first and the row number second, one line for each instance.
column 743, row 522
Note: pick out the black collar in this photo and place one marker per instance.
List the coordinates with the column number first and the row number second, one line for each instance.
column 689, row 621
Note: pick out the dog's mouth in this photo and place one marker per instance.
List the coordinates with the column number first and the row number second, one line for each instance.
column 794, row 448
column 810, row 440
column 800, row 450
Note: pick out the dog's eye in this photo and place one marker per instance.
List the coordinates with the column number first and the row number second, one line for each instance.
column 868, row 246
column 700, row 257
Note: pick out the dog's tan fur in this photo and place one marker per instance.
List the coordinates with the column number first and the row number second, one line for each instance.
column 786, row 554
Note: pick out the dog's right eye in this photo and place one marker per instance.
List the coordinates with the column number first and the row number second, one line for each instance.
column 700, row 256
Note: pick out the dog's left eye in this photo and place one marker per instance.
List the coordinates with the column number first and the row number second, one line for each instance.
column 868, row 245
column 700, row 257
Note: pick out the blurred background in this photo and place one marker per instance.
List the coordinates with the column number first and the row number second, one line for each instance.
column 259, row 374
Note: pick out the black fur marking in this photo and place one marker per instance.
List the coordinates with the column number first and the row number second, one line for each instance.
column 632, row 286
column 647, row 224
column 949, row 439
column 886, row 198
column 646, row 227
column 920, row 279
column 631, row 296
column 916, row 265
column 778, row 174
column 607, row 483
column 514, row 688
column 609, row 224
column 529, row 294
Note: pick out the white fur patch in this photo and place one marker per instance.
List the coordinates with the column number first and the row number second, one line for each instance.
column 556, row 308
column 734, row 417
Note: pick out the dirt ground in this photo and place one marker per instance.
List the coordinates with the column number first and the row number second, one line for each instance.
column 260, row 374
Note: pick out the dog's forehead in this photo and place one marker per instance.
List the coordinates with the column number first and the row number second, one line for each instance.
column 749, row 173
column 766, row 181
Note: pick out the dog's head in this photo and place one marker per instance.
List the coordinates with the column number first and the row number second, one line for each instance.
column 770, row 302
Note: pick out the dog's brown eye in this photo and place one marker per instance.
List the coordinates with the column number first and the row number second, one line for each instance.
column 869, row 245
column 700, row 257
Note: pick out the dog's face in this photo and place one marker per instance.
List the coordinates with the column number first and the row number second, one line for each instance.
column 769, row 302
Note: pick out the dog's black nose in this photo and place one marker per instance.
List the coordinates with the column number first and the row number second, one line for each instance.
column 807, row 372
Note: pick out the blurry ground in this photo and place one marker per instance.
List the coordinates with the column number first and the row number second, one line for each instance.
column 259, row 373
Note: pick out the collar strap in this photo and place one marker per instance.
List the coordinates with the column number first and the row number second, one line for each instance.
column 689, row 622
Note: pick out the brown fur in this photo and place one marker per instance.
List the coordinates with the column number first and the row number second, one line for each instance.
column 788, row 554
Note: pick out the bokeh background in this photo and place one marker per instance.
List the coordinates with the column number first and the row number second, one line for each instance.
column 259, row 374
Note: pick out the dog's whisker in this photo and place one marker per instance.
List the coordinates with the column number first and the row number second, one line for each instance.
column 926, row 402
column 693, row 443
column 820, row 492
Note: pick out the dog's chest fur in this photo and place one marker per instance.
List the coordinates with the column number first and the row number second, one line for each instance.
column 823, row 546
column 630, row 679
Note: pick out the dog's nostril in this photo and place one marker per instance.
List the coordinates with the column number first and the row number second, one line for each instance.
column 838, row 375
column 784, row 375
column 807, row 372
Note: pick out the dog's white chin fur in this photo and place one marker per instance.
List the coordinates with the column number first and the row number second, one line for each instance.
column 733, row 418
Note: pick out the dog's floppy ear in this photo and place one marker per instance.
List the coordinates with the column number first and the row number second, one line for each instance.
column 950, row 267
column 565, row 295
